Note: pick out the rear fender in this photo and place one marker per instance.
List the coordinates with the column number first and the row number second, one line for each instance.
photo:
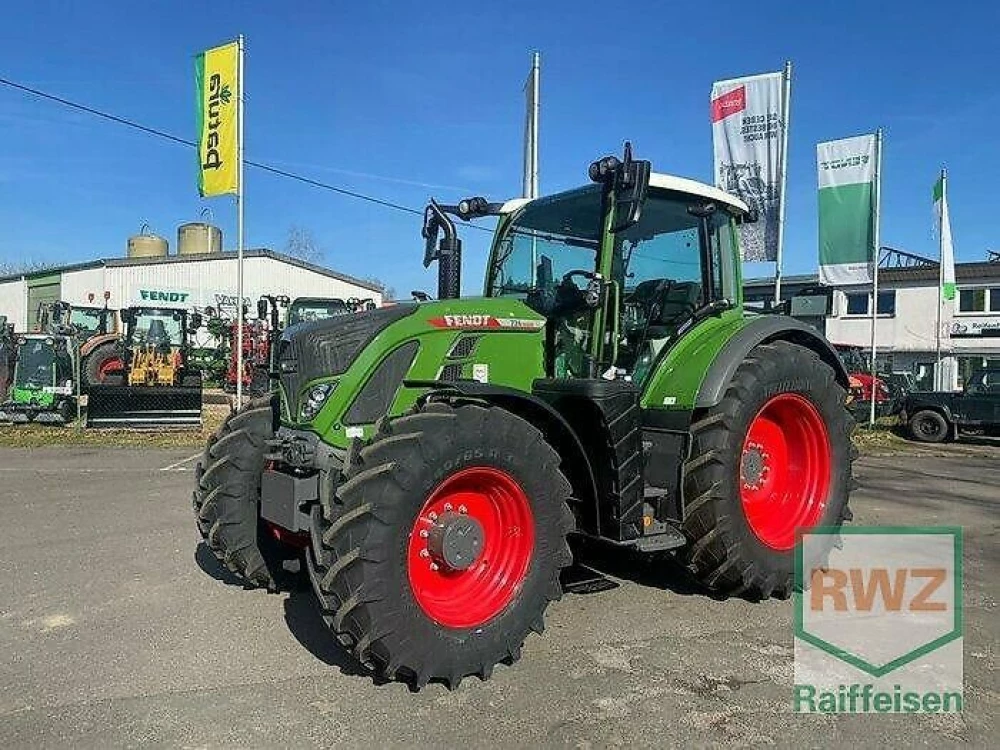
column 95, row 341
column 757, row 331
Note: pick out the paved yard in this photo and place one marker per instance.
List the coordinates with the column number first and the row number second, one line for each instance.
column 118, row 628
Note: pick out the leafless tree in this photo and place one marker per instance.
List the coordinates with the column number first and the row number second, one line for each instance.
column 19, row 267
column 386, row 291
column 302, row 244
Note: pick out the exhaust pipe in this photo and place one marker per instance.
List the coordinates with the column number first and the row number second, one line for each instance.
column 447, row 252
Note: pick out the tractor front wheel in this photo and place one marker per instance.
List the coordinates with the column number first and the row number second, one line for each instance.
column 442, row 545
column 771, row 459
column 226, row 498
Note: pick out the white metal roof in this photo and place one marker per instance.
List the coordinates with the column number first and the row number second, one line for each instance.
column 665, row 182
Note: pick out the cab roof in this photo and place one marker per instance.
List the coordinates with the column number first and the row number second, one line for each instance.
column 664, row 182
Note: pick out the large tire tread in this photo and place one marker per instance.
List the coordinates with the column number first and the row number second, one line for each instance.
column 226, row 496
column 369, row 506
column 719, row 554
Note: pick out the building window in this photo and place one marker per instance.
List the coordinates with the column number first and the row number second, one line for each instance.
column 972, row 300
column 887, row 302
column 995, row 299
column 857, row 303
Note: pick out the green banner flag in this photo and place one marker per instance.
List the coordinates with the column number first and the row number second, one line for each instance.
column 846, row 210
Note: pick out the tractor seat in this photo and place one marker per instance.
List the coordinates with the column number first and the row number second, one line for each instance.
column 157, row 335
column 666, row 304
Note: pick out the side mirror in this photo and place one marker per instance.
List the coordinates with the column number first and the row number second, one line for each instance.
column 631, row 188
column 262, row 308
column 629, row 180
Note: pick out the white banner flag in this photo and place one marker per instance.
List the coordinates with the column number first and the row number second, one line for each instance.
column 747, row 137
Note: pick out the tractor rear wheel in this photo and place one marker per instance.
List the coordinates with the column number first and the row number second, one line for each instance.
column 773, row 457
column 102, row 362
column 442, row 545
column 226, row 498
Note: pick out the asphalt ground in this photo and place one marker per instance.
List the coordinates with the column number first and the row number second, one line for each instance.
column 117, row 628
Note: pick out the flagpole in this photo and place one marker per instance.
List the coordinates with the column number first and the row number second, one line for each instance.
column 876, row 239
column 239, row 227
column 786, row 98
column 938, row 375
column 529, row 183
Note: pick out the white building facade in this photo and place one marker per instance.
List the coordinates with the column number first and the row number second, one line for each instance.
column 189, row 281
column 907, row 321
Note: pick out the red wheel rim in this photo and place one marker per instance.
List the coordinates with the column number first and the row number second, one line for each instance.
column 785, row 470
column 108, row 366
column 469, row 597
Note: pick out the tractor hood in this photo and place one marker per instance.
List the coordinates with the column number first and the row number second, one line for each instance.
column 353, row 367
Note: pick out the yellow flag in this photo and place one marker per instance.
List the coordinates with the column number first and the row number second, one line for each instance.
column 218, row 93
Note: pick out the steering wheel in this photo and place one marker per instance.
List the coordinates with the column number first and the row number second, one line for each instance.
column 568, row 276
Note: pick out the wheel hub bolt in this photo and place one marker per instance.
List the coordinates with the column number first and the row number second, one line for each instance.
column 434, row 566
column 456, row 541
column 447, row 507
column 462, row 509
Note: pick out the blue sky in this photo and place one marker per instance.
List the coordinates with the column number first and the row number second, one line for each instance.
column 404, row 100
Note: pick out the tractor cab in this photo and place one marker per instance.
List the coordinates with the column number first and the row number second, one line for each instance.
column 90, row 321
column 155, row 344
column 619, row 269
column 42, row 388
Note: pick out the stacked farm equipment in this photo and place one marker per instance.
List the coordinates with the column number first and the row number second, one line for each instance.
column 429, row 462
column 155, row 385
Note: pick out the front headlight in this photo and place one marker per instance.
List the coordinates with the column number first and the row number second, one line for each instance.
column 315, row 399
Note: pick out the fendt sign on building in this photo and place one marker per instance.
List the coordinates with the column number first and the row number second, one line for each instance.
column 172, row 296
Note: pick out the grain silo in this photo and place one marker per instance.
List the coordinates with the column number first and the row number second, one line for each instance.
column 198, row 238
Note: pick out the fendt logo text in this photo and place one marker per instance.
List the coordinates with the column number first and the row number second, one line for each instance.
column 878, row 625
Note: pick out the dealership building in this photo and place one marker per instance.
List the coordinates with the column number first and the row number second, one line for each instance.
column 906, row 317
column 198, row 276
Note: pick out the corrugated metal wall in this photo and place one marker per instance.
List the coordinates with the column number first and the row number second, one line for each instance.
column 199, row 283
column 14, row 303
column 205, row 282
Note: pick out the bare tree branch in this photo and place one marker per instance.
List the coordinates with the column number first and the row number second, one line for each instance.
column 302, row 244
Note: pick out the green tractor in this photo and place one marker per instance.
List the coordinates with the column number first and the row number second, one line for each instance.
column 42, row 389
column 429, row 462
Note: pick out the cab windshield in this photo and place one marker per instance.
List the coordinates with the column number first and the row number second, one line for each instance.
column 41, row 362
column 306, row 312
column 552, row 236
column 160, row 328
column 86, row 320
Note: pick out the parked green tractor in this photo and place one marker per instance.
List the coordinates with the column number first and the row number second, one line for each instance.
column 430, row 461
column 43, row 386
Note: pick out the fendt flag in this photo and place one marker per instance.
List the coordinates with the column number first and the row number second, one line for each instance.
column 747, row 137
column 217, row 73
column 944, row 238
column 846, row 210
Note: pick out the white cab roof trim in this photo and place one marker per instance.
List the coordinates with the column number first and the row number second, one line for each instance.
column 665, row 182
column 684, row 185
